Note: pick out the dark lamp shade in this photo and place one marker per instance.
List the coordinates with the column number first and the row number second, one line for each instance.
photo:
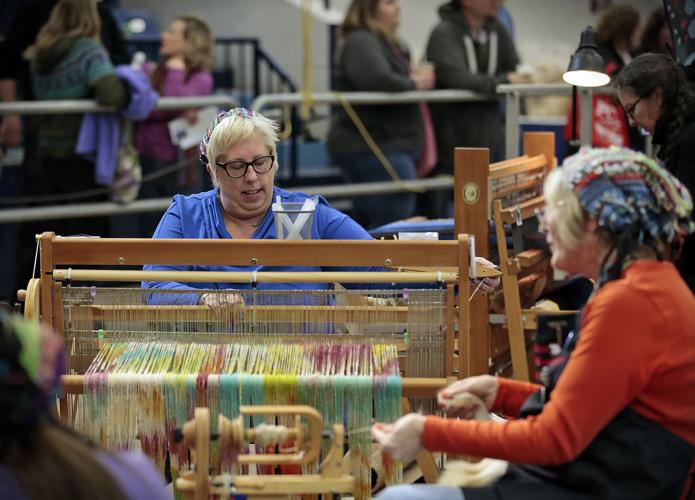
column 587, row 67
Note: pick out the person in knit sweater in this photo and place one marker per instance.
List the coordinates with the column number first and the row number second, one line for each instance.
column 616, row 419
column 67, row 61
column 184, row 71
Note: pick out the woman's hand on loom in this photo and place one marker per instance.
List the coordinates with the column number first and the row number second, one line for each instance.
column 222, row 300
column 402, row 440
column 487, row 285
column 483, row 386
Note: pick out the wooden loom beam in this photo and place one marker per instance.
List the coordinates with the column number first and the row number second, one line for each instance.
column 355, row 253
column 411, row 387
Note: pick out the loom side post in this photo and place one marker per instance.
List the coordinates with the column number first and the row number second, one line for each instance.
column 196, row 435
column 449, row 344
column 46, row 277
column 464, row 308
column 471, row 214
column 332, row 466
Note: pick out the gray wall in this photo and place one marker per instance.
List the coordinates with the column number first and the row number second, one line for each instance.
column 547, row 31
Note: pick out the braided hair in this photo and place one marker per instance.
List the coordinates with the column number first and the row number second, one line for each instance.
column 643, row 75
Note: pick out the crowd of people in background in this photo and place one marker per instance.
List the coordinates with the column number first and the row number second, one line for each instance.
column 471, row 47
column 613, row 215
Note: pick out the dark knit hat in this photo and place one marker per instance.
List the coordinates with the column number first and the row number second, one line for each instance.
column 625, row 190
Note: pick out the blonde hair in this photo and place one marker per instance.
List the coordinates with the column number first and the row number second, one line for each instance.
column 199, row 42
column 68, row 18
column 567, row 211
column 197, row 55
column 362, row 14
column 236, row 128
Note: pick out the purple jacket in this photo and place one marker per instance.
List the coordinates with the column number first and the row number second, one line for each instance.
column 152, row 135
column 134, row 473
column 100, row 133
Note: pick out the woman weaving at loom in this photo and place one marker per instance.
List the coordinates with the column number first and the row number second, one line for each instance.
column 616, row 419
column 239, row 152
column 39, row 457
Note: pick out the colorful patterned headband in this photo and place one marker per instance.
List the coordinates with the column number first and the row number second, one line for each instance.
column 240, row 112
column 623, row 189
column 31, row 362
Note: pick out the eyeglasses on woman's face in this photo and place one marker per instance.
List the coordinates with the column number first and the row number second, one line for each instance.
column 238, row 168
column 542, row 214
column 630, row 110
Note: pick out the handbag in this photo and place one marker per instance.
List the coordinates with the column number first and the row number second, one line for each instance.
column 128, row 175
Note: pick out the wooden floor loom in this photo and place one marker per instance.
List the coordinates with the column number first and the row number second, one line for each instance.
column 509, row 193
column 306, row 432
column 161, row 350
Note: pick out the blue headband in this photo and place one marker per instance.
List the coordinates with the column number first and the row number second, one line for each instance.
column 240, row 112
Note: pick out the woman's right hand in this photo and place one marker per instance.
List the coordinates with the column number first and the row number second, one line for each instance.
column 483, row 386
column 229, row 300
column 424, row 78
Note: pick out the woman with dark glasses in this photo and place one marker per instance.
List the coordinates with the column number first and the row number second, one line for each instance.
column 656, row 96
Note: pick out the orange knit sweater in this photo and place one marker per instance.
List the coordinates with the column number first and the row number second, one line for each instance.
column 636, row 349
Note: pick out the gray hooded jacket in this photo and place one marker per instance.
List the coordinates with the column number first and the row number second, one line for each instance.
column 461, row 62
column 368, row 63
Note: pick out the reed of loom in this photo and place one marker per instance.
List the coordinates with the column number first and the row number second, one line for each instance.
column 451, row 258
column 58, row 254
column 515, row 185
column 231, row 434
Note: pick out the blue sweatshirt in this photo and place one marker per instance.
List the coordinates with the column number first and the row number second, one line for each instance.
column 200, row 216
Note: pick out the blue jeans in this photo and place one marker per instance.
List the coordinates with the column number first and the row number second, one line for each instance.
column 377, row 210
column 419, row 491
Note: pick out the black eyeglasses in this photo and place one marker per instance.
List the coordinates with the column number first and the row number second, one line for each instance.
column 631, row 110
column 238, row 168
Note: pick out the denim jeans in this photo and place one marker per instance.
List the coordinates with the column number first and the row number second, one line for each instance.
column 419, row 491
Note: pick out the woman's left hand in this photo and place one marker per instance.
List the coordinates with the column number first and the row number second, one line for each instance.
column 402, row 440
column 488, row 284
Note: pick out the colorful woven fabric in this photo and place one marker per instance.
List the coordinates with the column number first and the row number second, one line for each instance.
column 622, row 189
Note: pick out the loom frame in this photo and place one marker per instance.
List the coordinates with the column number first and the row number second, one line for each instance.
column 57, row 254
column 476, row 203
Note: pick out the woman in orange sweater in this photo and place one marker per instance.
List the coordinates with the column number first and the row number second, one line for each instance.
column 616, row 420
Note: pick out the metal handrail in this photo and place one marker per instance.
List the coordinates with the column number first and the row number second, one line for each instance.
column 528, row 89
column 512, row 93
column 69, row 106
column 411, row 96
column 331, row 192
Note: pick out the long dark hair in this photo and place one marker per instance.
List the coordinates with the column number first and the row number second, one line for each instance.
column 643, row 75
column 617, row 23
